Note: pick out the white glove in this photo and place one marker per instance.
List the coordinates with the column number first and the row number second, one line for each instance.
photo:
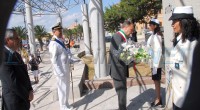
column 169, row 71
column 150, row 52
column 154, row 70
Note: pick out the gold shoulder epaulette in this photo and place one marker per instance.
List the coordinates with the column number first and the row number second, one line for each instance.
column 53, row 39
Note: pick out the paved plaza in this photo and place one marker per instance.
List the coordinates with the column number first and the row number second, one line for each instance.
column 46, row 98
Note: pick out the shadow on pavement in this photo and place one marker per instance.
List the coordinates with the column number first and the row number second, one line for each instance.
column 91, row 96
column 146, row 97
column 46, row 93
column 45, row 73
column 32, row 82
column 46, row 62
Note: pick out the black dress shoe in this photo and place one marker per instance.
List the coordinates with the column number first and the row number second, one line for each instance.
column 153, row 104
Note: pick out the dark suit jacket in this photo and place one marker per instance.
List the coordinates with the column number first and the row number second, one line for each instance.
column 16, row 84
column 193, row 96
column 118, row 69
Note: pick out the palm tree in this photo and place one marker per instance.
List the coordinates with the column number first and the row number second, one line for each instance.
column 21, row 31
column 40, row 32
column 74, row 32
column 79, row 30
column 67, row 32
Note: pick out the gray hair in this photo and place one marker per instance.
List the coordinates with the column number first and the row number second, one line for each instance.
column 127, row 23
column 9, row 33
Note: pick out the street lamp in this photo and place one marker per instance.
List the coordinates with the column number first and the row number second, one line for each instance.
column 22, row 10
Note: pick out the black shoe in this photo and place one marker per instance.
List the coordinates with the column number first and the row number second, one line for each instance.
column 153, row 104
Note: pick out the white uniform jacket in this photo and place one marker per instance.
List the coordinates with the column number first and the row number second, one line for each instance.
column 154, row 45
column 60, row 58
column 180, row 64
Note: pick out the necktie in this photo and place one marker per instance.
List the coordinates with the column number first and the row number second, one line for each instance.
column 175, row 42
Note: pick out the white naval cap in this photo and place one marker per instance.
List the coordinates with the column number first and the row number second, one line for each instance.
column 182, row 12
column 154, row 21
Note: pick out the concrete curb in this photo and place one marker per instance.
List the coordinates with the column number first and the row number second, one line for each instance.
column 108, row 82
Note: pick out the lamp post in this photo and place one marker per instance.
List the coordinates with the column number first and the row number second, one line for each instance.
column 86, row 32
column 23, row 12
column 30, row 28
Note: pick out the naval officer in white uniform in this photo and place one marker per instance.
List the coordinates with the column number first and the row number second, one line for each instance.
column 60, row 58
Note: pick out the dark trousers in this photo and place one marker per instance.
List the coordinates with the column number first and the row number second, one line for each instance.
column 39, row 58
column 175, row 107
column 120, row 87
column 13, row 102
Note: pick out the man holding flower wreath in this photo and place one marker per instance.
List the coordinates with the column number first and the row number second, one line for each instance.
column 119, row 68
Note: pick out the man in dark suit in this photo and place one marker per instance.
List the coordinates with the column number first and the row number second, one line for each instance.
column 118, row 69
column 6, row 7
column 17, row 91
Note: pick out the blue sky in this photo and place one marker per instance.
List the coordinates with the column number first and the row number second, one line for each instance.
column 48, row 21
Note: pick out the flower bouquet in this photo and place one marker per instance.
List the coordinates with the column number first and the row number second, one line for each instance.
column 141, row 55
column 126, row 54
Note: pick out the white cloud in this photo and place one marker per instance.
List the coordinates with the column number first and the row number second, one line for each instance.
column 70, row 18
column 46, row 20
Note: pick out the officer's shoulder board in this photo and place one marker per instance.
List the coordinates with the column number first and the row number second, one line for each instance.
column 53, row 39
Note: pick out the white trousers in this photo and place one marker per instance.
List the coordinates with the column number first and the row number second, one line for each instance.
column 63, row 84
column 35, row 73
